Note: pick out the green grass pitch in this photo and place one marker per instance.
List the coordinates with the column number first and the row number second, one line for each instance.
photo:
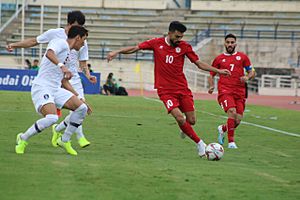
column 136, row 153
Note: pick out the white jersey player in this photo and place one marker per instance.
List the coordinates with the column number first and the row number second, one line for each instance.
column 51, row 89
column 74, row 18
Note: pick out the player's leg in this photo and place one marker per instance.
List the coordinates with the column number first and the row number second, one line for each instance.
column 57, row 129
column 240, row 108
column 186, row 105
column 71, row 102
column 227, row 103
column 81, row 138
column 44, row 104
column 50, row 117
column 232, row 115
column 186, row 128
column 171, row 102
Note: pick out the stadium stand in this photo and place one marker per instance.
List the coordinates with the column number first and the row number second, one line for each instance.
column 269, row 34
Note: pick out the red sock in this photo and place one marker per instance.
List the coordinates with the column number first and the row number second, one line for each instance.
column 230, row 126
column 187, row 129
column 58, row 111
column 224, row 128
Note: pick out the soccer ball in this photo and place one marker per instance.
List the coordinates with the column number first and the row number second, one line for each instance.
column 214, row 151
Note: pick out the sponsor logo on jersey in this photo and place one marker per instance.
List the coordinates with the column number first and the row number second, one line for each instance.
column 238, row 58
column 224, row 60
column 178, row 50
column 161, row 47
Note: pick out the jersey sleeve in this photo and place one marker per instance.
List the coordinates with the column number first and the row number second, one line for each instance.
column 216, row 65
column 190, row 53
column 84, row 52
column 147, row 45
column 45, row 37
column 56, row 45
column 246, row 61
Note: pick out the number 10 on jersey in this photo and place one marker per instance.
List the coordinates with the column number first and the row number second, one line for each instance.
column 169, row 59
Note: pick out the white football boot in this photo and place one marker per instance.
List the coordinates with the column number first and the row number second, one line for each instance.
column 201, row 149
column 221, row 135
column 232, row 145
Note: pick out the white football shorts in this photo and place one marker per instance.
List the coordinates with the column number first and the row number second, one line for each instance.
column 42, row 95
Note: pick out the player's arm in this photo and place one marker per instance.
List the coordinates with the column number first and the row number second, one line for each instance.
column 52, row 57
column 84, row 68
column 67, row 85
column 206, row 67
column 250, row 74
column 211, row 84
column 30, row 42
column 126, row 50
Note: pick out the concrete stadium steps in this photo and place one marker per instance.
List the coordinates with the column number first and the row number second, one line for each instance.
column 94, row 21
column 238, row 24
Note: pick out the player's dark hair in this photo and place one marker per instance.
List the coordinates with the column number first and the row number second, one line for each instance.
column 77, row 30
column 230, row 35
column 177, row 26
column 76, row 16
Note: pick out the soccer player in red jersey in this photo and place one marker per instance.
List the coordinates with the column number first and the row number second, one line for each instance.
column 170, row 81
column 231, row 89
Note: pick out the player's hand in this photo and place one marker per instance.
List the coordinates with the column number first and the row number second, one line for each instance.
column 211, row 90
column 93, row 79
column 225, row 72
column 244, row 79
column 67, row 73
column 111, row 55
column 9, row 48
column 89, row 111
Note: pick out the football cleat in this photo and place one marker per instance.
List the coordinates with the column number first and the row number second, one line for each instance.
column 83, row 142
column 20, row 144
column 67, row 146
column 55, row 136
column 221, row 135
column 201, row 149
column 232, row 145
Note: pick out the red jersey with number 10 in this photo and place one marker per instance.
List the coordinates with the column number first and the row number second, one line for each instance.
column 235, row 63
column 168, row 63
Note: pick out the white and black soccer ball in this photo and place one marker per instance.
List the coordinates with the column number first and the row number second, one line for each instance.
column 214, row 151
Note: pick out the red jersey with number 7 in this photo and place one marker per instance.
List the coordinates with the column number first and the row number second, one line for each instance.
column 235, row 63
column 168, row 63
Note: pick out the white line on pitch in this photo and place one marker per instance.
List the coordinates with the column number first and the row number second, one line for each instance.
column 244, row 122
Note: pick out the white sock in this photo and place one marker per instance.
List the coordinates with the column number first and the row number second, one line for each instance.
column 79, row 132
column 39, row 126
column 62, row 125
column 76, row 118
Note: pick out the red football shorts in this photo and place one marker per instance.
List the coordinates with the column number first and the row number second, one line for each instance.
column 227, row 101
column 177, row 99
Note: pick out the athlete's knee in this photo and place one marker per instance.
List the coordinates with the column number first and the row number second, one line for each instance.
column 52, row 119
column 180, row 119
column 232, row 112
column 237, row 122
column 192, row 120
column 82, row 110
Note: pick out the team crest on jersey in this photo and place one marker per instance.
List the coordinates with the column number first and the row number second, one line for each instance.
column 46, row 96
column 238, row 58
column 178, row 50
column 161, row 47
column 224, row 60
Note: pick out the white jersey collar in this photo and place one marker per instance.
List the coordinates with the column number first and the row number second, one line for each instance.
column 166, row 40
column 228, row 54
